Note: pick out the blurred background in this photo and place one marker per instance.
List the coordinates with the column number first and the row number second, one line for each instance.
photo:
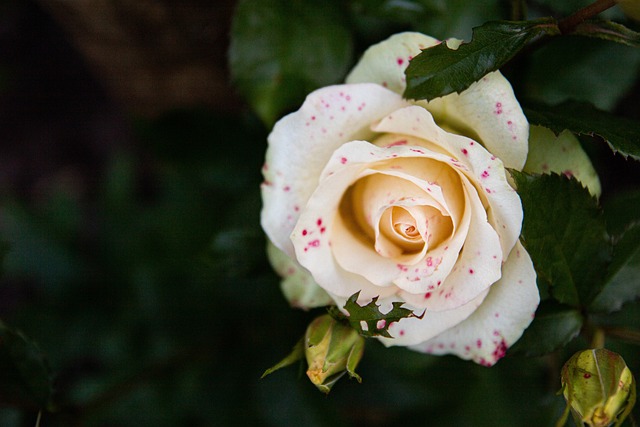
column 129, row 205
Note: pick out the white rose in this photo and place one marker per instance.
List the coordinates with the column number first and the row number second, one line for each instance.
column 408, row 201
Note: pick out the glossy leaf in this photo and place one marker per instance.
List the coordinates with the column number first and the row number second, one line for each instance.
column 621, row 134
column 554, row 326
column 623, row 281
column 564, row 232
column 440, row 70
column 25, row 376
column 281, row 50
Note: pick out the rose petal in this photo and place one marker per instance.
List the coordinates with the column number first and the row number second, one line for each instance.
column 301, row 144
column 384, row 63
column 297, row 285
column 481, row 167
column 487, row 109
column 490, row 110
column 560, row 154
column 505, row 313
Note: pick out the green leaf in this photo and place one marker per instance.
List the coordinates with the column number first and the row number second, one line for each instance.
column 377, row 323
column 25, row 376
column 621, row 134
column 564, row 232
column 623, row 281
column 281, row 50
column 440, row 70
column 554, row 326
column 608, row 30
column 617, row 213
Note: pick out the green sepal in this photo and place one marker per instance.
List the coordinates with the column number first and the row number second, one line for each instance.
column 377, row 322
column 608, row 30
column 297, row 353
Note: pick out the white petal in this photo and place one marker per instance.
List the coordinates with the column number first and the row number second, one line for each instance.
column 500, row 320
column 481, row 167
column 301, row 144
column 297, row 285
column 490, row 110
column 384, row 63
column 560, row 154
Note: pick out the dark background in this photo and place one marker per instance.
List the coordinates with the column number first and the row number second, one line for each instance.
column 129, row 198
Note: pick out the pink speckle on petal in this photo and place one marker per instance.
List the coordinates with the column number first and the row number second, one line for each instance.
column 464, row 151
column 485, row 174
column 319, row 222
column 427, row 295
column 400, row 61
column 305, row 232
column 343, row 160
column 314, row 243
column 471, row 271
column 479, row 343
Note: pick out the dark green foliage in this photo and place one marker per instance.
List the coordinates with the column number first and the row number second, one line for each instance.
column 621, row 134
column 555, row 325
column 565, row 234
column 25, row 375
column 270, row 54
column 439, row 71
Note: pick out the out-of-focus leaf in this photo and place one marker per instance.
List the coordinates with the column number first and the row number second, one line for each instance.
column 564, row 232
column 376, row 19
column 281, row 50
column 554, row 326
column 25, row 376
column 440, row 70
column 623, row 281
column 580, row 68
column 621, row 134
column 608, row 30
column 617, row 212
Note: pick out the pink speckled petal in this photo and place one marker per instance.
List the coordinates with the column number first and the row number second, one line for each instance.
column 301, row 144
column 384, row 63
column 505, row 313
column 561, row 154
column 297, row 285
column 482, row 168
column 489, row 109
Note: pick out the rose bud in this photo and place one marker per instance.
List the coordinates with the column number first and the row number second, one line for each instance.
column 598, row 387
column 331, row 349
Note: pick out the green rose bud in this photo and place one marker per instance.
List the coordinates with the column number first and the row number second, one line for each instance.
column 598, row 387
column 331, row 349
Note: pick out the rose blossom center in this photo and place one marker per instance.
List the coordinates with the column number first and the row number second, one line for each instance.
column 395, row 214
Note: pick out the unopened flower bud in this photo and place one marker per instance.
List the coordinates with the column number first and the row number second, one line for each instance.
column 331, row 349
column 598, row 387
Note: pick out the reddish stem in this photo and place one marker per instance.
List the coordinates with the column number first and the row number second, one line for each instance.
column 569, row 24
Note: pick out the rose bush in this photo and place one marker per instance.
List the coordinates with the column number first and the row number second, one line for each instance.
column 408, row 201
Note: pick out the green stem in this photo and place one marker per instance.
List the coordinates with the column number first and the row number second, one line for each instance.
column 597, row 340
column 569, row 24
